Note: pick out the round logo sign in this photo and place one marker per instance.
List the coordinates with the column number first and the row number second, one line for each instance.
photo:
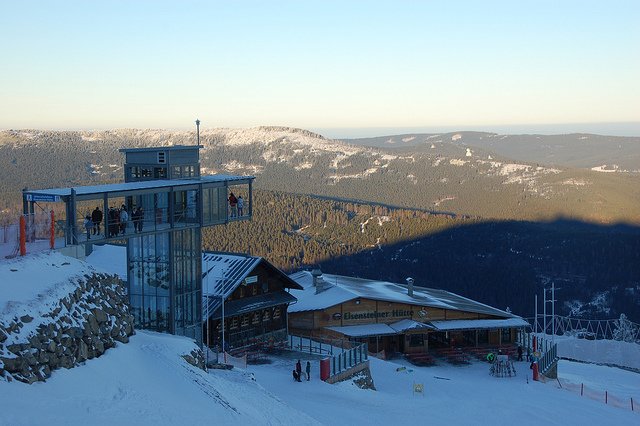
column 337, row 316
column 491, row 357
column 422, row 313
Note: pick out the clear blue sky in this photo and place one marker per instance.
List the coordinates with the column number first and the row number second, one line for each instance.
column 318, row 64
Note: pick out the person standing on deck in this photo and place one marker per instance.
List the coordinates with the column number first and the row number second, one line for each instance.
column 298, row 369
column 96, row 218
column 233, row 203
column 308, row 371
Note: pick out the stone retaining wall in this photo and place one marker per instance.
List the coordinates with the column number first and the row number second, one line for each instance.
column 82, row 326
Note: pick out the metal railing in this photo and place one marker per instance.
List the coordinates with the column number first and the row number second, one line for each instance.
column 609, row 329
column 348, row 359
column 548, row 359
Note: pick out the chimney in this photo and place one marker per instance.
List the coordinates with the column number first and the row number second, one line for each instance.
column 318, row 282
column 317, row 276
column 410, row 286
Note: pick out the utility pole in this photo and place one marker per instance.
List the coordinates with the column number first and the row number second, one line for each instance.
column 553, row 311
column 535, row 320
column 198, row 130
column 224, row 352
column 207, row 315
column 544, row 311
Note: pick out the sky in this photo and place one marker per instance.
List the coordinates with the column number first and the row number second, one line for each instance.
column 338, row 66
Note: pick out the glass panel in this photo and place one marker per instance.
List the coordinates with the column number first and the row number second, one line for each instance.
column 161, row 214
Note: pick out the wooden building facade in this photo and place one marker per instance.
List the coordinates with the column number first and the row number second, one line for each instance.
column 394, row 317
column 256, row 296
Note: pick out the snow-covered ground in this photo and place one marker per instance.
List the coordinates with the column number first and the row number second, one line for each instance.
column 146, row 382
column 454, row 395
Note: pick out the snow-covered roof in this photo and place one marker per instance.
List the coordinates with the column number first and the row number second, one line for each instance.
column 134, row 186
column 409, row 324
column 343, row 289
column 479, row 324
column 365, row 330
column 380, row 329
column 222, row 273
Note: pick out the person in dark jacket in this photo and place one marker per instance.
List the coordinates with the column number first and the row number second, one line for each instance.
column 519, row 353
column 298, row 369
column 308, row 371
column 295, row 376
column 96, row 218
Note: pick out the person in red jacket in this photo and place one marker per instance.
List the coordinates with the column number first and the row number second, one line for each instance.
column 233, row 203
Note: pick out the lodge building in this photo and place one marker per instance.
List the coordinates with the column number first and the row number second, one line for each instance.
column 395, row 318
column 256, row 296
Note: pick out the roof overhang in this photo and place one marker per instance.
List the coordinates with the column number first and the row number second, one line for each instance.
column 479, row 324
column 247, row 304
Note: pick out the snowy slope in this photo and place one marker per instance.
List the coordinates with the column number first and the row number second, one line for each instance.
column 146, row 382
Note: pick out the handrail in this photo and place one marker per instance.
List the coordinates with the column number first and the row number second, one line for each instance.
column 348, row 359
column 548, row 359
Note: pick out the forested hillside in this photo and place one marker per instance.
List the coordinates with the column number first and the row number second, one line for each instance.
column 596, row 269
column 484, row 244
column 442, row 177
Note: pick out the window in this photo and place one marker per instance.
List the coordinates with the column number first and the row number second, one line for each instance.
column 506, row 335
column 159, row 172
column 234, row 323
column 146, row 173
column 135, row 172
column 161, row 157
column 416, row 340
column 267, row 315
column 176, row 172
column 254, row 290
column 245, row 320
column 265, row 287
column 241, row 292
column 276, row 313
column 255, row 318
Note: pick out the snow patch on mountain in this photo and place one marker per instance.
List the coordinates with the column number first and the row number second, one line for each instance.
column 576, row 182
column 302, row 166
column 442, row 200
column 607, row 169
column 337, row 178
column 381, row 220
column 457, row 162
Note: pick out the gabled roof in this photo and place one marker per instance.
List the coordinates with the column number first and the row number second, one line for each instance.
column 345, row 288
column 222, row 273
column 243, row 306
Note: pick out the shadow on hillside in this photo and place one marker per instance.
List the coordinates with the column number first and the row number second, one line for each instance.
column 595, row 268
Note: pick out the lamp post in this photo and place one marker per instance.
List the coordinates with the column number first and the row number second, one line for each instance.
column 198, row 130
column 207, row 315
column 553, row 310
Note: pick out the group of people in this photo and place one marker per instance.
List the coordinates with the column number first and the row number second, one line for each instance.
column 117, row 220
column 297, row 372
column 236, row 204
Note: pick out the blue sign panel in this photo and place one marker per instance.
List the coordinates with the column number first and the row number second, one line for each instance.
column 43, row 198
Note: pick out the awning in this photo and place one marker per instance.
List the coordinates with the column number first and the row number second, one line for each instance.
column 405, row 325
column 247, row 304
column 365, row 330
column 479, row 324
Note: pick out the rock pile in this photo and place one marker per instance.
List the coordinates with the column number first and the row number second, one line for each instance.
column 81, row 326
